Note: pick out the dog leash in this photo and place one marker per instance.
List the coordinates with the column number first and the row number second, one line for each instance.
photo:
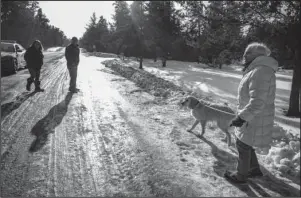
column 221, row 111
column 217, row 109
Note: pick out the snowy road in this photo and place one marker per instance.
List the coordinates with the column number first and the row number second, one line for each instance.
column 111, row 139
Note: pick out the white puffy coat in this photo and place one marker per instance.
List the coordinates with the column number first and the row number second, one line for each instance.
column 256, row 102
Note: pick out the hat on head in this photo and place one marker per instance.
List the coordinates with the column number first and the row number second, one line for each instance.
column 74, row 39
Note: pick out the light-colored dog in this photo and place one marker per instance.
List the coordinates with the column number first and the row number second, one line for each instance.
column 203, row 112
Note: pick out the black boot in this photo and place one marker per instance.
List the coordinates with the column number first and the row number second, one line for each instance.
column 28, row 85
column 38, row 88
column 255, row 173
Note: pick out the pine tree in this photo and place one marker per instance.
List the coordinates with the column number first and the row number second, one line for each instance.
column 19, row 22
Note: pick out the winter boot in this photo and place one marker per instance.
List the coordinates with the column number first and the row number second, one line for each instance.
column 38, row 88
column 28, row 85
column 255, row 173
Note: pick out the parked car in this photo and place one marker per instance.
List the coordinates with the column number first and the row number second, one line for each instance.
column 12, row 57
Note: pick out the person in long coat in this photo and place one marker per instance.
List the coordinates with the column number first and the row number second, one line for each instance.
column 255, row 111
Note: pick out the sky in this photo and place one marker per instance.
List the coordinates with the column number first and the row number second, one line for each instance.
column 73, row 16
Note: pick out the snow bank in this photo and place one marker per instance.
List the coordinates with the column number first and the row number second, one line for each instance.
column 82, row 50
column 103, row 55
column 55, row 49
column 285, row 158
column 149, row 82
column 284, row 154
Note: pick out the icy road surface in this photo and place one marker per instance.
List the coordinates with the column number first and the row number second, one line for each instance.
column 111, row 139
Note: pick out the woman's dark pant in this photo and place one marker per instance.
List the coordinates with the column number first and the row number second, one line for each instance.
column 34, row 77
column 247, row 159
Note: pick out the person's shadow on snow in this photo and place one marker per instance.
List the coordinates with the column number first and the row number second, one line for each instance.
column 7, row 108
column 46, row 125
column 226, row 160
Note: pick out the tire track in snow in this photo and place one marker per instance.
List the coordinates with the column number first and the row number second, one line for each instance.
column 98, row 171
column 53, row 154
column 140, row 178
column 103, row 108
column 12, row 120
column 15, row 118
column 50, row 121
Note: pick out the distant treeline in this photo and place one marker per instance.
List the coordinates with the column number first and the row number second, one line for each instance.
column 24, row 21
column 216, row 32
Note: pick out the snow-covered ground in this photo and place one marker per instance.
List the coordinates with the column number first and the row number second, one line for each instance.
column 115, row 138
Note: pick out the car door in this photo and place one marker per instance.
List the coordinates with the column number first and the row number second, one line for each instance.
column 17, row 54
column 20, row 55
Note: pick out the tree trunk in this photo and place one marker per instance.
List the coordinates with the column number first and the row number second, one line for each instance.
column 164, row 62
column 299, row 100
column 121, row 45
column 141, row 60
column 294, row 103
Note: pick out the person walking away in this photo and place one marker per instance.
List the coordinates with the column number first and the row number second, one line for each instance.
column 256, row 111
column 72, row 57
column 34, row 60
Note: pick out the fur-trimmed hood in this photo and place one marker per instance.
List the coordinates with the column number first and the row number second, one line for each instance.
column 262, row 61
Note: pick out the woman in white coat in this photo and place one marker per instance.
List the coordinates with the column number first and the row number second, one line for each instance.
column 255, row 112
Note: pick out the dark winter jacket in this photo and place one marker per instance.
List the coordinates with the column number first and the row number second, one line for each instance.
column 33, row 58
column 72, row 55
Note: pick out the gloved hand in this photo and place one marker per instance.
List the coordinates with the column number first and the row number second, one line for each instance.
column 237, row 122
